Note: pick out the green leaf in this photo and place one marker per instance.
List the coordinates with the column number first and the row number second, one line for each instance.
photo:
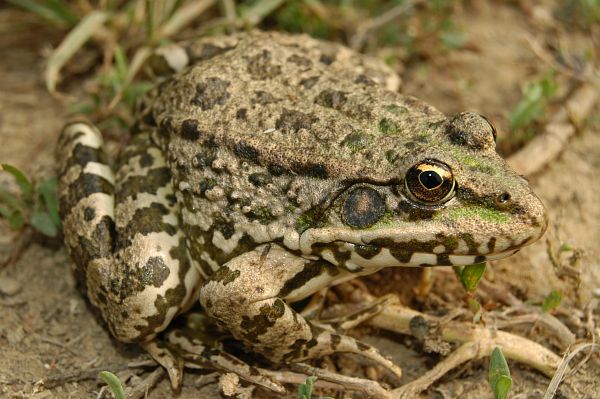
column 16, row 220
column 22, row 180
column 12, row 201
column 552, row 300
column 48, row 190
column 305, row 390
column 113, row 383
column 470, row 275
column 42, row 222
column 499, row 374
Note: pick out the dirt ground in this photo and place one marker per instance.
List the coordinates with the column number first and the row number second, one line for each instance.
column 47, row 329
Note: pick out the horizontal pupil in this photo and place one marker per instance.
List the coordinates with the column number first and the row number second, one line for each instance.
column 430, row 179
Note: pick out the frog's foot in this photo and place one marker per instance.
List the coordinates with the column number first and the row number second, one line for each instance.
column 245, row 296
column 361, row 315
column 199, row 356
column 168, row 359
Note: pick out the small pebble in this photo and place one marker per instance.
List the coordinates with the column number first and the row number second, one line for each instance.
column 9, row 286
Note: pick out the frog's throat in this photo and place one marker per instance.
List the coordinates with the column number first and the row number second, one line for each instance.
column 355, row 249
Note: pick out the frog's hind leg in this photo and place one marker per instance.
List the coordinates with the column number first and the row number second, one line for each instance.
column 123, row 235
column 248, row 295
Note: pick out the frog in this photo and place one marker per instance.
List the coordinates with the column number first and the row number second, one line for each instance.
column 265, row 167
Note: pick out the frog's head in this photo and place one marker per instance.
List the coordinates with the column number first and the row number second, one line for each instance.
column 452, row 201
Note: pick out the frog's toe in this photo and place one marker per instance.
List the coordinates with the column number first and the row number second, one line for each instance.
column 171, row 361
column 197, row 355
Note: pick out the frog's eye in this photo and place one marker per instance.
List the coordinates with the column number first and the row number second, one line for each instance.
column 363, row 207
column 430, row 182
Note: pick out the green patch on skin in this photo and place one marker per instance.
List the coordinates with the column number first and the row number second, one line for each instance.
column 307, row 220
column 386, row 221
column 396, row 109
column 470, row 212
column 389, row 127
column 263, row 215
column 391, row 156
column 225, row 275
column 357, row 141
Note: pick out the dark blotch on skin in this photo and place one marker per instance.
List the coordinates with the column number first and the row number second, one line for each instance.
column 263, row 98
column 327, row 59
column 341, row 257
column 174, row 297
column 260, row 324
column 363, row 208
column 225, row 275
column 479, row 259
column 154, row 272
column 491, row 244
column 246, row 151
column 241, row 114
column 290, row 121
column 146, row 160
column 331, row 99
column 84, row 186
column 364, row 79
column 443, row 260
column 308, row 83
column 259, row 179
column 165, row 126
column 89, row 214
column 154, row 180
column 260, row 66
column 100, row 245
column 211, row 92
column 145, row 221
column 311, row 270
column 311, row 169
column 299, row 60
column 81, row 155
column 367, row 251
column 189, row 130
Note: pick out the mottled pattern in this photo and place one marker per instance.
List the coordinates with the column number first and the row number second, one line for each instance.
column 263, row 168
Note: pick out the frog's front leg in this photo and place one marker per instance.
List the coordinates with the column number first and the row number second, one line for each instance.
column 122, row 232
column 248, row 295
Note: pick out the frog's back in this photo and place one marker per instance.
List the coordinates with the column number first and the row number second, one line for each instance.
column 292, row 103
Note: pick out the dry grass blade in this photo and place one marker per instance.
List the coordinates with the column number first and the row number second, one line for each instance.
column 366, row 27
column 89, row 25
column 261, row 9
column 563, row 367
column 546, row 147
column 183, row 17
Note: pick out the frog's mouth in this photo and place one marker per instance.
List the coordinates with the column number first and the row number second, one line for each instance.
column 368, row 250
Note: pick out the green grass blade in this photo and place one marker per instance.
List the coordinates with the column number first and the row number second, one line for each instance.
column 48, row 190
column 74, row 40
column 113, row 383
column 43, row 223
column 499, row 374
column 22, row 181
column 55, row 11
column 259, row 11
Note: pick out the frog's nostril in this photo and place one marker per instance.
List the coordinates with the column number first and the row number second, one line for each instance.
column 503, row 199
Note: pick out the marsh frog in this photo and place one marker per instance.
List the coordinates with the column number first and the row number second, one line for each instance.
column 263, row 168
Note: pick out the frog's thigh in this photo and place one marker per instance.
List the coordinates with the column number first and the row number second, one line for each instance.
column 248, row 295
column 122, row 233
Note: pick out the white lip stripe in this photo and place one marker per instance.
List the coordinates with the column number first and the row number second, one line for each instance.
column 419, row 258
column 459, row 260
